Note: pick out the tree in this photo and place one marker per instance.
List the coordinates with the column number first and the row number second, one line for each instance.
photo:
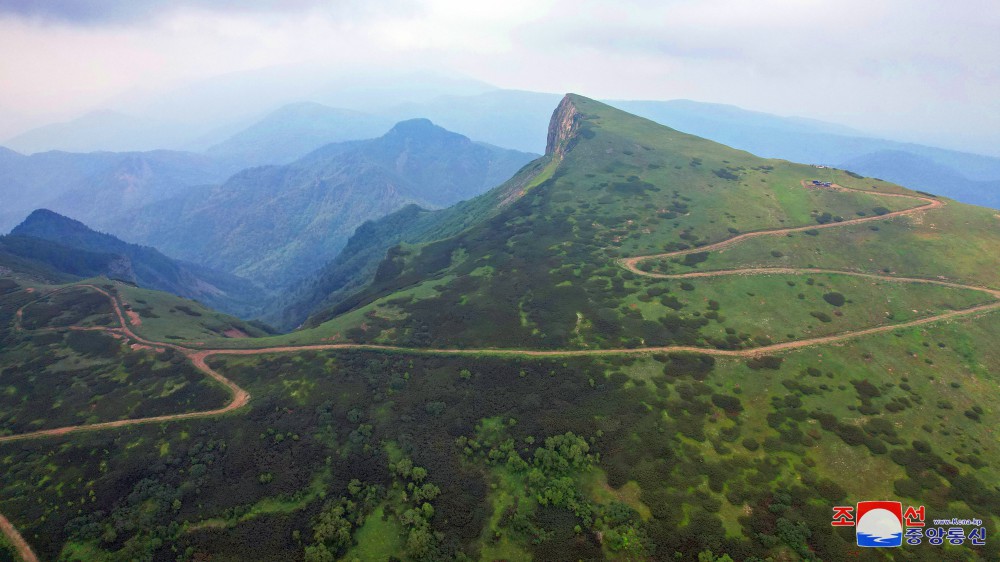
column 333, row 529
column 318, row 553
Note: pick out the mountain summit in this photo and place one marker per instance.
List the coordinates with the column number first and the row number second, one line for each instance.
column 611, row 185
column 278, row 224
column 562, row 127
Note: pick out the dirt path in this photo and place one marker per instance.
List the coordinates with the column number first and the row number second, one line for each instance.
column 15, row 538
column 240, row 397
column 629, row 263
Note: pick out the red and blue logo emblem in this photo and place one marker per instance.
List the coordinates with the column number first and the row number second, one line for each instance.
column 880, row 524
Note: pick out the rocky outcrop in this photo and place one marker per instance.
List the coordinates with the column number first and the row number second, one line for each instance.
column 562, row 127
column 121, row 268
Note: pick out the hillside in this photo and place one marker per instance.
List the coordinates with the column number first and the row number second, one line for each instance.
column 545, row 267
column 75, row 249
column 277, row 224
column 644, row 346
column 330, row 289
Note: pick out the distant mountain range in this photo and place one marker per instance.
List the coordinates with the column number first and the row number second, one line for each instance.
column 52, row 241
column 517, row 120
column 101, row 130
column 94, row 187
column 294, row 130
column 276, row 224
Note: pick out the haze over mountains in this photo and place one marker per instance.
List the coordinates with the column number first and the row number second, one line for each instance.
column 275, row 224
column 94, row 186
column 514, row 119
column 73, row 248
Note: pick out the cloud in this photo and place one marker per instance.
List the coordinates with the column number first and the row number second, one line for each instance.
column 921, row 69
column 98, row 12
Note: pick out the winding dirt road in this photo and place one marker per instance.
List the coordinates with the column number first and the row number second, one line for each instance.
column 240, row 397
column 20, row 545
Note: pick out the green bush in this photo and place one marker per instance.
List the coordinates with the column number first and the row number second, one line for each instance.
column 765, row 362
column 835, row 298
column 821, row 316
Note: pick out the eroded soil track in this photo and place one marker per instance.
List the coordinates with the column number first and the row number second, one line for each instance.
column 240, row 397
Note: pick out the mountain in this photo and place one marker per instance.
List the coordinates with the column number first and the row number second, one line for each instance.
column 770, row 134
column 606, row 190
column 96, row 186
column 101, row 130
column 970, row 178
column 276, row 224
column 292, row 131
column 75, row 249
column 54, row 263
column 517, row 119
column 509, row 118
column 924, row 173
column 331, row 288
column 643, row 346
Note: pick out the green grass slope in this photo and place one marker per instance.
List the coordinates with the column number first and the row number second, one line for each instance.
column 542, row 273
column 53, row 377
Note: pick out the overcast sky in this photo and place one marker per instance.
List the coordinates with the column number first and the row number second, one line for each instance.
column 912, row 69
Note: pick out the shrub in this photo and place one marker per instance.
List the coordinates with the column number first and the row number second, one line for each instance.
column 765, row 362
column 694, row 259
column 725, row 174
column 821, row 316
column 834, row 298
column 730, row 404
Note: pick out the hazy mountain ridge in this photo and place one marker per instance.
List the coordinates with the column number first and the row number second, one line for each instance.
column 923, row 173
column 142, row 265
column 277, row 224
column 517, row 119
column 94, row 187
column 291, row 131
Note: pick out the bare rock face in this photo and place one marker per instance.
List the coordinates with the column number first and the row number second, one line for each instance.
column 563, row 127
column 121, row 268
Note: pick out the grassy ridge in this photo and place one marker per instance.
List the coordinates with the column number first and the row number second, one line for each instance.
column 541, row 273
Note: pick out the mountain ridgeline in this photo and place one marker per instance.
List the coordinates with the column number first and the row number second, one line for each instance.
column 68, row 246
column 542, row 272
column 99, row 186
column 292, row 131
column 278, row 224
